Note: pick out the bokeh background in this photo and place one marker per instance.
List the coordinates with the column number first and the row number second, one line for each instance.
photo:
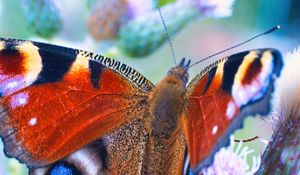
column 65, row 22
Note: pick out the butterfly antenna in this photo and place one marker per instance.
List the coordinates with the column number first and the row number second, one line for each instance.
column 167, row 33
column 246, row 140
column 259, row 35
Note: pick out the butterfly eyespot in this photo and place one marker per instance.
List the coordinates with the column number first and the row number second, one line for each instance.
column 63, row 168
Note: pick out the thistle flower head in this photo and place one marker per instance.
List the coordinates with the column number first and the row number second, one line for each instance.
column 42, row 17
column 287, row 96
column 144, row 34
column 108, row 16
column 233, row 160
column 215, row 8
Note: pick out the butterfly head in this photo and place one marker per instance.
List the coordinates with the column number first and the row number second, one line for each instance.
column 181, row 70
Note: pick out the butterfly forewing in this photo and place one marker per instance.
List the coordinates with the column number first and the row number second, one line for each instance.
column 219, row 99
column 52, row 97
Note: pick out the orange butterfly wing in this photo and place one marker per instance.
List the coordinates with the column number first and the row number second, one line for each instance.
column 55, row 100
column 218, row 100
column 119, row 152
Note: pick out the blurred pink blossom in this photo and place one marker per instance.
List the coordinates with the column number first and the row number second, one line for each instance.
column 232, row 161
column 139, row 7
column 215, row 8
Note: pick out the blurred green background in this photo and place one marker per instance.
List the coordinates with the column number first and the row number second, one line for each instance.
column 198, row 39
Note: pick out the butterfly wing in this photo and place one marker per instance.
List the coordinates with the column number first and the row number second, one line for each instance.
column 222, row 95
column 55, row 100
column 90, row 160
column 120, row 152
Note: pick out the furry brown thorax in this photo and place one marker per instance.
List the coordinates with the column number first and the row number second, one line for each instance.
column 167, row 100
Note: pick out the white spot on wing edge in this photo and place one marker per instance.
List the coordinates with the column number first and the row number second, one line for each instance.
column 231, row 108
column 215, row 130
column 32, row 121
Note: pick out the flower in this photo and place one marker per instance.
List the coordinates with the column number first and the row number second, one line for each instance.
column 140, row 7
column 215, row 8
column 232, row 161
column 42, row 17
column 285, row 100
column 144, row 34
column 108, row 16
column 283, row 151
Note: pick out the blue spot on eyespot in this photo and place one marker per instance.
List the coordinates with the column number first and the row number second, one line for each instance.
column 61, row 170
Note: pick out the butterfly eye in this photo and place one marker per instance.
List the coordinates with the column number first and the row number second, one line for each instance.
column 63, row 168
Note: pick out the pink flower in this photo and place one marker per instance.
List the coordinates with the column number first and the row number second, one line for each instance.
column 232, row 161
column 215, row 8
column 139, row 7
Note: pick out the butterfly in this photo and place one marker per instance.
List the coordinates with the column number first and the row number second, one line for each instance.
column 69, row 111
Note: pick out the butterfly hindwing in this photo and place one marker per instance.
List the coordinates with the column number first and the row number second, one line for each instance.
column 89, row 160
column 52, row 97
column 218, row 100
column 120, row 152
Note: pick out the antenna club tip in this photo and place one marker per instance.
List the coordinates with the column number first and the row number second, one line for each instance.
column 278, row 26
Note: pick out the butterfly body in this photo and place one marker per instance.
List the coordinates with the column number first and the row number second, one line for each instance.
column 165, row 148
column 61, row 107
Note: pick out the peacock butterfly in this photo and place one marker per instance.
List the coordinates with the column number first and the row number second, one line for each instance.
column 68, row 111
